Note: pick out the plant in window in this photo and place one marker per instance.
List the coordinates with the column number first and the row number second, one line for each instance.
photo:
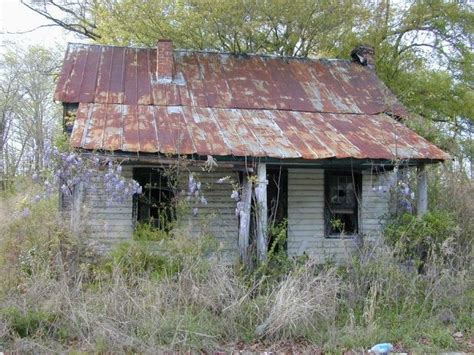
column 337, row 225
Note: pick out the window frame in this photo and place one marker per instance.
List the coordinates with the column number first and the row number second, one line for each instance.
column 329, row 176
column 162, row 183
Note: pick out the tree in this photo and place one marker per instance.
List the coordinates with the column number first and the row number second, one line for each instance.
column 282, row 27
column 424, row 54
column 9, row 97
column 29, row 118
column 293, row 28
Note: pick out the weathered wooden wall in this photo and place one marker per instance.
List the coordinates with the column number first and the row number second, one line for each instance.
column 306, row 216
column 305, row 211
column 90, row 213
column 375, row 205
column 217, row 218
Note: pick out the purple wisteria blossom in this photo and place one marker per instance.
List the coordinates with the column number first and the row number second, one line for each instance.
column 64, row 171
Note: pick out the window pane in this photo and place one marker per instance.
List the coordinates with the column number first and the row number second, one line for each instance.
column 341, row 203
column 155, row 204
column 334, row 198
column 350, row 193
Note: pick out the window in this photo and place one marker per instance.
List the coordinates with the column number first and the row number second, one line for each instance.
column 69, row 116
column 155, row 205
column 341, row 196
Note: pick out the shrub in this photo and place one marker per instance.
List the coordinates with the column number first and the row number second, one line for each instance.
column 28, row 242
column 278, row 264
column 28, row 324
column 415, row 237
column 452, row 191
column 147, row 232
column 383, row 299
column 138, row 258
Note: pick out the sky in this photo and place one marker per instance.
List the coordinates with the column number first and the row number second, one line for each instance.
column 15, row 17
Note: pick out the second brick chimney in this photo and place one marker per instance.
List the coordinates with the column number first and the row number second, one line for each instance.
column 364, row 55
column 164, row 60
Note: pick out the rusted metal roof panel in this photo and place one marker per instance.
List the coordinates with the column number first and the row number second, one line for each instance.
column 123, row 75
column 258, row 133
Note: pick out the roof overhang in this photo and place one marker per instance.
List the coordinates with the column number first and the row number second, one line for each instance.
column 266, row 134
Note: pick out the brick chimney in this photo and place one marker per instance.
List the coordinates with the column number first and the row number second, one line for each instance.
column 164, row 60
column 364, row 55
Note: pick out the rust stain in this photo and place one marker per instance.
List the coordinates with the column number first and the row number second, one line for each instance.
column 223, row 104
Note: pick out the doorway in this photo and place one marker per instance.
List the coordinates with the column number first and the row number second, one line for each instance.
column 277, row 205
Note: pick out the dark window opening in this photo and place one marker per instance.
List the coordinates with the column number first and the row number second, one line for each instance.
column 277, row 209
column 277, row 204
column 69, row 116
column 156, row 203
column 341, row 203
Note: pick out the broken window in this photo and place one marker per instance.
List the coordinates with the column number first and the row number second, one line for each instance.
column 341, row 202
column 69, row 116
column 156, row 203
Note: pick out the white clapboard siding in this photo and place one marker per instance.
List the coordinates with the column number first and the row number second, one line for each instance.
column 217, row 218
column 374, row 207
column 93, row 215
column 305, row 210
column 306, row 216
column 108, row 222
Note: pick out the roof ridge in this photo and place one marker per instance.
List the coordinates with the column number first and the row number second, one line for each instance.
column 212, row 51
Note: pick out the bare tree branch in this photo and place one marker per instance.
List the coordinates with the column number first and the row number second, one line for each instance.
column 81, row 26
column 27, row 31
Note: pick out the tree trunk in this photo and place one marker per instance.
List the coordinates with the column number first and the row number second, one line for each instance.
column 2, row 167
column 2, row 154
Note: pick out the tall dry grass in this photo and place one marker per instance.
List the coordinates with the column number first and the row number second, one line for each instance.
column 57, row 295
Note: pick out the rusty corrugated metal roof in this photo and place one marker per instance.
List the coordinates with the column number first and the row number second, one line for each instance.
column 258, row 133
column 123, row 75
column 222, row 104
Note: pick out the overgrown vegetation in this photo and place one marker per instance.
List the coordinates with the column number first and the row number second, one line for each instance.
column 171, row 291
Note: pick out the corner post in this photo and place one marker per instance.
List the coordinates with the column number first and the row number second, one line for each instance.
column 244, row 214
column 262, row 213
column 76, row 210
column 422, row 187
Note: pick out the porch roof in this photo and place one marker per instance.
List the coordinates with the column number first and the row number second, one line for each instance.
column 282, row 134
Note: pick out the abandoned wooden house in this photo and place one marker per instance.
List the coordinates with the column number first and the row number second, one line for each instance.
column 307, row 139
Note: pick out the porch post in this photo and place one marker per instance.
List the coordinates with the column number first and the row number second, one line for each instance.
column 262, row 214
column 422, row 187
column 244, row 213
